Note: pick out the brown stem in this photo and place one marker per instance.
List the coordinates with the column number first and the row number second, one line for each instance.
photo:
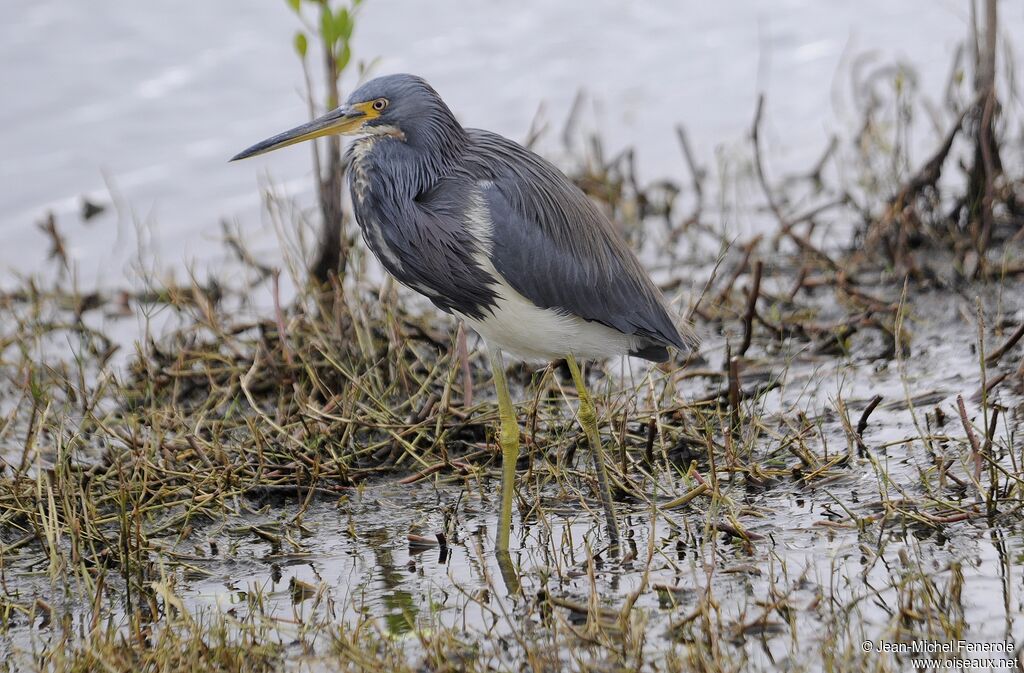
column 971, row 437
column 748, row 316
column 331, row 255
column 998, row 353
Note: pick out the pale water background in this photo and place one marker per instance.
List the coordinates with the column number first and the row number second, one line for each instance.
column 152, row 98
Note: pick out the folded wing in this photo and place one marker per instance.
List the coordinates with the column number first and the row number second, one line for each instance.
column 556, row 248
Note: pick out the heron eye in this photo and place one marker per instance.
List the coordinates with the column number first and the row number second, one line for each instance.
column 380, row 104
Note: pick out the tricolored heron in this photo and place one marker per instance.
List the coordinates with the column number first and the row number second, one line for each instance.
column 493, row 233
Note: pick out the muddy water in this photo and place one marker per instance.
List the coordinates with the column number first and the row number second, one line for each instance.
column 356, row 553
column 354, row 557
column 144, row 102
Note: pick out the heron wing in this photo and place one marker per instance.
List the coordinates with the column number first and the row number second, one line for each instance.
column 556, row 248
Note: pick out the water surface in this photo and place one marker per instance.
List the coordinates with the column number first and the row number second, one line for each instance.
column 150, row 99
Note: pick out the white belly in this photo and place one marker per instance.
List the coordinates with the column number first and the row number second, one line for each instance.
column 517, row 326
column 520, row 328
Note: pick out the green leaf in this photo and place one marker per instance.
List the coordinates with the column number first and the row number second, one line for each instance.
column 294, row 4
column 342, row 59
column 327, row 25
column 301, row 44
column 343, row 24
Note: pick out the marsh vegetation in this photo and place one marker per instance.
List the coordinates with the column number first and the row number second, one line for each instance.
column 266, row 472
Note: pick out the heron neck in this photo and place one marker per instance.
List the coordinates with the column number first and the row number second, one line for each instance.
column 408, row 166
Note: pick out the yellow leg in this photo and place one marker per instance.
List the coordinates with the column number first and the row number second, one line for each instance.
column 588, row 420
column 508, row 438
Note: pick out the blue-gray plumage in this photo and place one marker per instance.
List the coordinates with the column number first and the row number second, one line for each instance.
column 417, row 188
column 495, row 234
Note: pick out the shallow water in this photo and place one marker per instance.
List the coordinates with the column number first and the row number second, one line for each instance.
column 363, row 559
column 360, row 555
column 355, row 560
column 149, row 100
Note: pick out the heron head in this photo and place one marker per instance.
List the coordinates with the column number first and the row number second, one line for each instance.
column 401, row 106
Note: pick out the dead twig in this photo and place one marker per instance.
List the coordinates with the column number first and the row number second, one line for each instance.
column 998, row 353
column 748, row 315
column 972, row 438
